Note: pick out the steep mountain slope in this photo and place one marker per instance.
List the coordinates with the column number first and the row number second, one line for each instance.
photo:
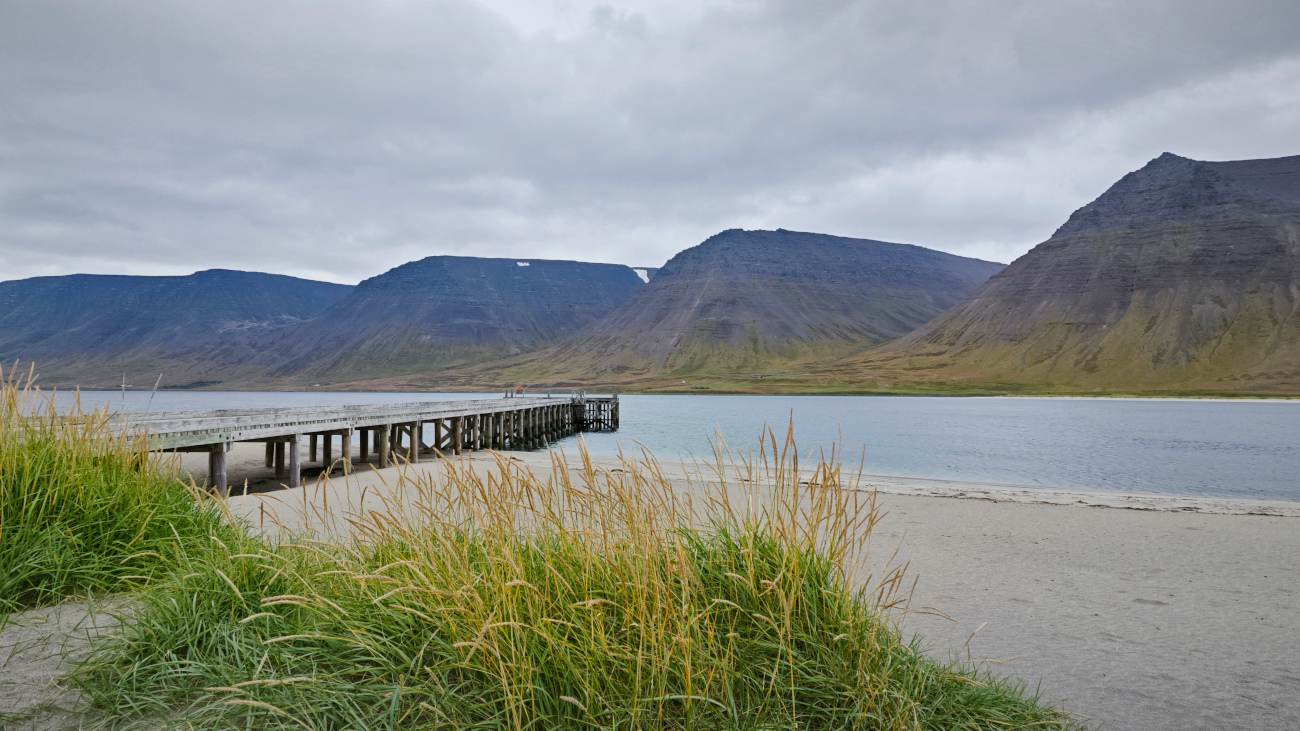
column 87, row 329
column 752, row 300
column 1183, row 275
column 445, row 311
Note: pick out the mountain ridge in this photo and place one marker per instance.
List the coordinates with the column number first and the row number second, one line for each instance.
column 755, row 300
column 88, row 328
column 446, row 311
column 1184, row 274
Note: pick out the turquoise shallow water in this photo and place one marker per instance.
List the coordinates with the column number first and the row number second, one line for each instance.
column 1245, row 449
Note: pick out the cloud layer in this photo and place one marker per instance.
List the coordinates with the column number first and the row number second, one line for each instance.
column 338, row 139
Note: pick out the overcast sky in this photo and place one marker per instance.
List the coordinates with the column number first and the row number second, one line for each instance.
column 336, row 140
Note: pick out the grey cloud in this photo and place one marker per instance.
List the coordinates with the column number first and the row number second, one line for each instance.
column 339, row 139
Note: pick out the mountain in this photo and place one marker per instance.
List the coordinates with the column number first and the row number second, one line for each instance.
column 745, row 301
column 87, row 329
column 1184, row 275
column 447, row 311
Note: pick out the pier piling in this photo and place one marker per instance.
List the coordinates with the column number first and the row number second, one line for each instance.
column 517, row 423
column 295, row 461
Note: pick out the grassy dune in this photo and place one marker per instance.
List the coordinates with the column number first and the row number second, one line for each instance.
column 576, row 599
column 83, row 512
column 580, row 598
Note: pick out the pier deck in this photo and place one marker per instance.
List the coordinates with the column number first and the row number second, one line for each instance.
column 390, row 430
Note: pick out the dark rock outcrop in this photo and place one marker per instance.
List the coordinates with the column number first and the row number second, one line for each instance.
column 1182, row 273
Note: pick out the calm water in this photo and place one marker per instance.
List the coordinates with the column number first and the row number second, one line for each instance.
column 1212, row 448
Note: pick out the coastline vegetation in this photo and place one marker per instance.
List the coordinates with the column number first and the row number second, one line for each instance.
column 83, row 511
column 579, row 598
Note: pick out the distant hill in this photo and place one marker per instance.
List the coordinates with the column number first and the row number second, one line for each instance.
column 750, row 301
column 448, row 311
column 87, row 329
column 1184, row 275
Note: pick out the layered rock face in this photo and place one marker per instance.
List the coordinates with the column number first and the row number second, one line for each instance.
column 746, row 300
column 445, row 311
column 1183, row 273
column 88, row 328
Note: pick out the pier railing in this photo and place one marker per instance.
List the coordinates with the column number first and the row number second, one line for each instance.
column 386, row 431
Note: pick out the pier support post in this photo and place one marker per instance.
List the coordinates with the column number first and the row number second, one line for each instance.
column 365, row 444
column 279, row 459
column 345, row 451
column 476, row 429
column 456, row 440
column 295, row 461
column 312, row 456
column 382, row 434
column 217, row 469
column 270, row 454
column 413, row 454
column 327, row 452
column 437, row 435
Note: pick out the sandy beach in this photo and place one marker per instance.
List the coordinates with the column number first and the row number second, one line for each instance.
column 1133, row 612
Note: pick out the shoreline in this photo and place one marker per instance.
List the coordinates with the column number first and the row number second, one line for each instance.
column 1129, row 618
column 709, row 391
column 246, row 462
column 1078, row 497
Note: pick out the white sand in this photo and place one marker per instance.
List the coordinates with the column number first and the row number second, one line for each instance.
column 1170, row 614
column 37, row 649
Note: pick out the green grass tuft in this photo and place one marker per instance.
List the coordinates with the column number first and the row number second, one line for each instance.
column 82, row 511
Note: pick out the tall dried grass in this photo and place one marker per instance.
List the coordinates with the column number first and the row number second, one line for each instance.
column 582, row 598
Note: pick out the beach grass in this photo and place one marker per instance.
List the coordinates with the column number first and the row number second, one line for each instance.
column 578, row 598
column 83, row 511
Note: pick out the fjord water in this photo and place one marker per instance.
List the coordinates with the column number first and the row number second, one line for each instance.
column 1243, row 449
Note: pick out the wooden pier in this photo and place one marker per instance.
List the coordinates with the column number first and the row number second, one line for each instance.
column 387, row 432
